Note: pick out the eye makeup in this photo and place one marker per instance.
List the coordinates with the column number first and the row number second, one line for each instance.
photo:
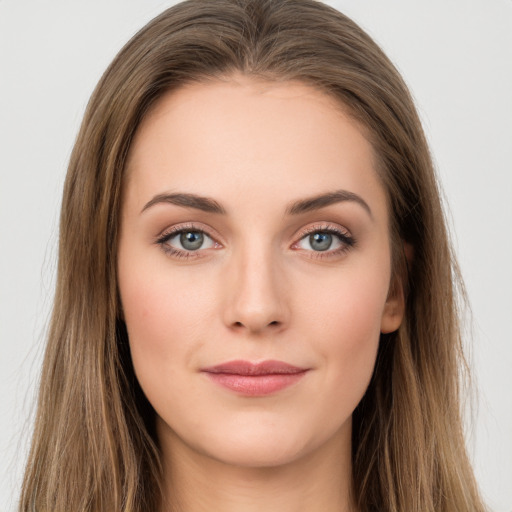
column 190, row 241
column 323, row 237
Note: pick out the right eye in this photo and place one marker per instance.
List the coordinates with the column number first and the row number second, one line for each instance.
column 189, row 240
column 186, row 242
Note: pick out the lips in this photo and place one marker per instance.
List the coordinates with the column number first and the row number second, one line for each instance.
column 255, row 379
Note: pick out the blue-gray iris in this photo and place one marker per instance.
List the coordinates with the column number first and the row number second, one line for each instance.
column 191, row 240
column 320, row 241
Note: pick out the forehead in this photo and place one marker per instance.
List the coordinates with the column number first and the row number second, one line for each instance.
column 242, row 137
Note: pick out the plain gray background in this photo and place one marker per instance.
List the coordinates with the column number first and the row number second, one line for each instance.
column 456, row 56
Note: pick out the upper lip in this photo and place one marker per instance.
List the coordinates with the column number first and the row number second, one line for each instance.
column 247, row 368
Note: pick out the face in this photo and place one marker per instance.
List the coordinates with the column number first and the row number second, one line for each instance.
column 254, row 269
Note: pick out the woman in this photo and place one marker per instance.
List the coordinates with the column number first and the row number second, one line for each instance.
column 255, row 305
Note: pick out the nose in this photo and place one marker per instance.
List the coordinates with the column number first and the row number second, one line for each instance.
column 255, row 294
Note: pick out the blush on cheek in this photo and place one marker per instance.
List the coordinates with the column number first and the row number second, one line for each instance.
column 162, row 323
column 358, row 345
column 350, row 332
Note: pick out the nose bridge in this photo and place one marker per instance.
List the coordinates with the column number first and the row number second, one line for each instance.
column 257, row 296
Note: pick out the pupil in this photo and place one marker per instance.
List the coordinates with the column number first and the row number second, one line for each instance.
column 191, row 240
column 320, row 241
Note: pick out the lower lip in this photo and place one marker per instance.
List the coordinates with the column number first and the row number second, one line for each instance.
column 256, row 385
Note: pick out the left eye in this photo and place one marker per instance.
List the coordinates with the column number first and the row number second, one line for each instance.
column 190, row 240
column 320, row 241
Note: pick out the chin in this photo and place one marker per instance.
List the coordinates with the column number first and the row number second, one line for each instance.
column 256, row 453
column 268, row 445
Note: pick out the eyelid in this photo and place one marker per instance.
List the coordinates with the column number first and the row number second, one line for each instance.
column 188, row 226
column 323, row 226
column 327, row 227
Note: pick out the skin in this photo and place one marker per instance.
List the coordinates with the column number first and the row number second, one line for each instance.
column 256, row 290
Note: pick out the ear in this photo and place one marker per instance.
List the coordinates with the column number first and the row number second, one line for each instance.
column 394, row 308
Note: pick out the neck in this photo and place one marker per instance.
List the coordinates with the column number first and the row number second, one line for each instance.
column 317, row 482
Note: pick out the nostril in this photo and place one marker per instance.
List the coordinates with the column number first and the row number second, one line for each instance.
column 275, row 323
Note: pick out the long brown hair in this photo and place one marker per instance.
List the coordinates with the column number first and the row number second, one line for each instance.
column 94, row 447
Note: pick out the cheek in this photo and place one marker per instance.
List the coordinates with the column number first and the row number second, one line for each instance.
column 348, row 318
column 165, row 320
column 349, row 305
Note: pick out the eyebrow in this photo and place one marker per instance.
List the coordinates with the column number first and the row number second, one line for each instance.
column 209, row 205
column 204, row 204
column 324, row 200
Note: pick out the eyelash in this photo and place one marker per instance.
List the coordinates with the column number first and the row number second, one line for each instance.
column 347, row 241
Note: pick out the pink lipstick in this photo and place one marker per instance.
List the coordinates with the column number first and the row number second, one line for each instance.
column 252, row 379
